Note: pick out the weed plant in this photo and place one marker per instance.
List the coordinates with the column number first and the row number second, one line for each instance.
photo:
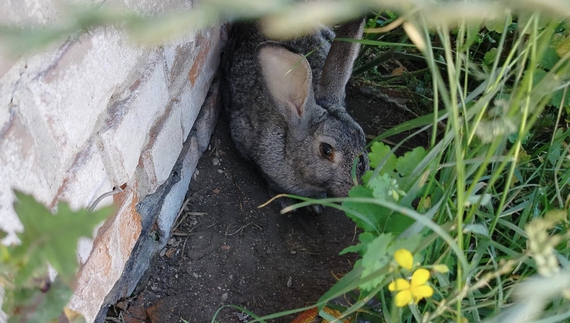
column 485, row 207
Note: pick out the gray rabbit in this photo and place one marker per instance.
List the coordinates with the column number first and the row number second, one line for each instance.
column 287, row 112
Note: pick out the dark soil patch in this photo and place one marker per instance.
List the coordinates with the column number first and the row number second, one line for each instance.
column 226, row 250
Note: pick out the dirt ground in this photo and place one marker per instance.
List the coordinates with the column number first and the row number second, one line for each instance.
column 226, row 250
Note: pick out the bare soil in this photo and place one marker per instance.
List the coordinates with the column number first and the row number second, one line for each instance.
column 226, row 250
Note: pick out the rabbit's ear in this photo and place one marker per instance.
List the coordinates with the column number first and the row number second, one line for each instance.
column 288, row 78
column 338, row 64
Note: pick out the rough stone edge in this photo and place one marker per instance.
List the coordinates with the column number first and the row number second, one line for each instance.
column 151, row 239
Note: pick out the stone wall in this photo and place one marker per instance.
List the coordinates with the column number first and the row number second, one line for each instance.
column 96, row 113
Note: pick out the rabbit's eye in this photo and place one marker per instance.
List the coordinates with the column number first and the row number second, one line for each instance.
column 327, row 151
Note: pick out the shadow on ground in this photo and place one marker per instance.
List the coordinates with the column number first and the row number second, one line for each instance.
column 226, row 250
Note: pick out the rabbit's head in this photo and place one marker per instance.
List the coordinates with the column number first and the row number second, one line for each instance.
column 321, row 140
column 331, row 151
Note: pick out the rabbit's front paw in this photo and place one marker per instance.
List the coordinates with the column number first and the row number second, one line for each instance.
column 284, row 202
column 316, row 209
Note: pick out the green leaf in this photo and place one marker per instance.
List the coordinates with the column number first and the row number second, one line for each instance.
column 411, row 243
column 563, row 47
column 34, row 306
column 483, row 199
column 514, row 136
column 51, row 238
column 477, row 228
column 498, row 25
column 373, row 217
column 367, row 176
column 380, row 186
column 538, row 75
column 556, row 100
column 382, row 153
column 490, row 56
column 396, row 223
column 4, row 252
column 473, row 28
column 365, row 238
column 407, row 163
column 374, row 258
column 549, row 58
column 369, row 211
column 524, row 16
column 552, row 82
column 356, row 249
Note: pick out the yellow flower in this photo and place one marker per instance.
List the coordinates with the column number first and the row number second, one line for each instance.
column 441, row 268
column 414, row 291
column 404, row 258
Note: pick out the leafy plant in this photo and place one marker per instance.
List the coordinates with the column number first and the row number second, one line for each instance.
column 388, row 180
column 485, row 207
column 479, row 189
column 47, row 240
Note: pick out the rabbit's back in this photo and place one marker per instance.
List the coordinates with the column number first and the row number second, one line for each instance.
column 242, row 96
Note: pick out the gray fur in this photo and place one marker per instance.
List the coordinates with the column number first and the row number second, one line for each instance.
column 276, row 118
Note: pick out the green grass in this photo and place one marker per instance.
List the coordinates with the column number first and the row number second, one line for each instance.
column 489, row 197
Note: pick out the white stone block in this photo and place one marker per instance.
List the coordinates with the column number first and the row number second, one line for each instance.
column 165, row 148
column 123, row 143
column 86, row 180
column 29, row 11
column 51, row 103
column 189, row 105
column 106, row 263
column 175, row 197
column 3, row 316
column 79, row 117
column 24, row 168
column 177, row 53
column 9, row 222
column 72, row 96
column 200, row 78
